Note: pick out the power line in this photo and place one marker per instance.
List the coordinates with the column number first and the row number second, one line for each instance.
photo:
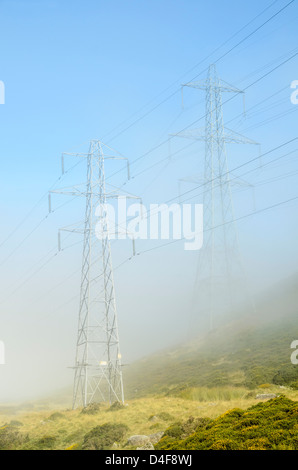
column 172, row 241
column 183, row 194
column 170, row 200
column 252, row 33
column 193, row 143
column 162, row 143
column 245, row 173
column 249, row 35
column 273, row 206
column 175, row 198
column 272, row 118
column 237, row 167
column 30, row 277
column 43, row 265
column 34, row 207
column 23, row 240
column 206, row 183
column 75, row 297
column 31, row 232
column 202, row 117
column 199, row 63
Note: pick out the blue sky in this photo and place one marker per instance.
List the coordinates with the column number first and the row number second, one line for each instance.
column 76, row 70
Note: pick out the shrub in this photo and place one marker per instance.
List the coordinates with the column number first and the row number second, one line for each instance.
column 155, row 426
column 294, row 385
column 55, row 416
column 91, row 409
column 288, row 374
column 223, row 444
column 102, row 437
column 116, row 406
column 179, row 431
column 16, row 423
column 46, row 442
column 266, row 425
column 10, row 438
column 165, row 416
column 175, row 430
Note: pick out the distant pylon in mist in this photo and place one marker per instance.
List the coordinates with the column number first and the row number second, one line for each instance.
column 220, row 272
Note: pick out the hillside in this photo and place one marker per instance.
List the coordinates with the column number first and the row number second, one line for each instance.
column 167, row 422
column 203, row 395
column 246, row 352
column 270, row 425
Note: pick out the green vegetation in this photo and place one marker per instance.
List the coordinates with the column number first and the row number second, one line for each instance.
column 204, row 395
column 45, row 442
column 182, row 418
column 213, row 394
column 73, row 430
column 164, row 416
column 10, row 437
column 116, row 406
column 241, row 359
column 104, row 436
column 55, row 416
column 266, row 425
column 91, row 409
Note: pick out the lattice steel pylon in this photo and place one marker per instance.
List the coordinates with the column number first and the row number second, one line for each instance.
column 98, row 368
column 98, row 372
column 220, row 267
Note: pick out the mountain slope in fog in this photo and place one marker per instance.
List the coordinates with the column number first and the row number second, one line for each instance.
column 249, row 350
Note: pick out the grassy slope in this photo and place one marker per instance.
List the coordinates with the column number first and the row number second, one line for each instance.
column 70, row 428
column 67, row 429
column 204, row 379
column 252, row 358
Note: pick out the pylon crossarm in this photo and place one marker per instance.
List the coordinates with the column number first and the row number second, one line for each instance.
column 199, row 84
column 194, row 134
column 236, row 138
column 219, row 264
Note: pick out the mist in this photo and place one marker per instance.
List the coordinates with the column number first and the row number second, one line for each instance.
column 88, row 84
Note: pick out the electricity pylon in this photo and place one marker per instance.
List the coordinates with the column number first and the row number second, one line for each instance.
column 220, row 268
column 98, row 368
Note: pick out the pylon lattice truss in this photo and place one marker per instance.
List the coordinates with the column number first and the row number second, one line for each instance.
column 220, row 270
column 98, row 368
column 98, row 373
